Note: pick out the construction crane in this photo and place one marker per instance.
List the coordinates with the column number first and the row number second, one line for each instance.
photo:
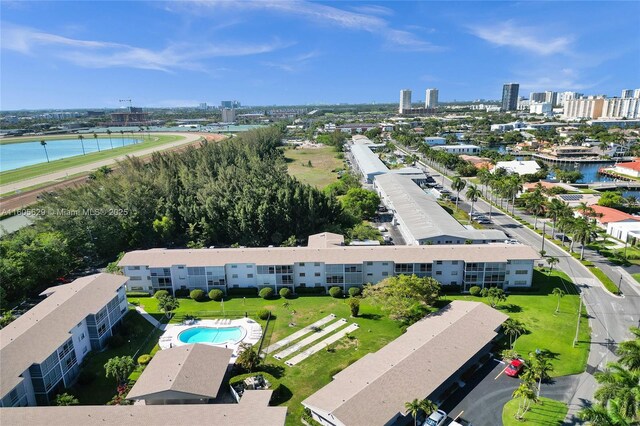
column 126, row 120
column 126, row 100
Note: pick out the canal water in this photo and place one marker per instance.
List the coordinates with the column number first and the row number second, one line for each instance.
column 16, row 155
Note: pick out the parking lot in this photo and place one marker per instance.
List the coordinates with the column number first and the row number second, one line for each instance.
column 385, row 219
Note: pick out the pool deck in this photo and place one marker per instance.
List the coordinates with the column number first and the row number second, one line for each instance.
column 252, row 332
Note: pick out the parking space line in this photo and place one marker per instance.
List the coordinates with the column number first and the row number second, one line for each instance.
column 500, row 373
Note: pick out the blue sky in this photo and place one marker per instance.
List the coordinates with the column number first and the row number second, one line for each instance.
column 58, row 54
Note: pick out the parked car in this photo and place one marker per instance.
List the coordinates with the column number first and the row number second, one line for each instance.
column 460, row 422
column 484, row 221
column 514, row 368
column 512, row 241
column 563, row 238
column 436, row 418
column 382, row 228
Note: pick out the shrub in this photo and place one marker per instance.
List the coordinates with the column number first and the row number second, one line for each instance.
column 216, row 295
column 475, row 290
column 198, row 295
column 285, row 292
column 182, row 292
column 86, row 377
column 263, row 314
column 138, row 294
column 160, row 294
column 144, row 359
column 115, row 341
column 266, row 293
column 238, row 381
column 335, row 292
column 355, row 291
column 354, row 306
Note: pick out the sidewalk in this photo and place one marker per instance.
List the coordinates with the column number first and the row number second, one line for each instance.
column 157, row 324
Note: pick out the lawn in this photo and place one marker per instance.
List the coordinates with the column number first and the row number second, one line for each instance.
column 79, row 160
column 323, row 163
column 143, row 339
column 547, row 330
column 637, row 277
column 547, row 412
column 300, row 381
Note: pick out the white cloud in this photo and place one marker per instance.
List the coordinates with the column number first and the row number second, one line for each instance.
column 373, row 9
column 100, row 54
column 294, row 64
column 364, row 20
column 521, row 37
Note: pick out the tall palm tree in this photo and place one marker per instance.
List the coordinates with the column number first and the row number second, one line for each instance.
column 560, row 293
column 513, row 186
column 583, row 230
column 95, row 136
column 473, row 193
column 629, row 351
column 485, row 176
column 540, row 367
column 555, row 209
column 110, row 141
column 44, row 145
column 513, row 328
column 82, row 143
column 458, row 184
column 535, row 204
column 414, row 407
column 552, row 261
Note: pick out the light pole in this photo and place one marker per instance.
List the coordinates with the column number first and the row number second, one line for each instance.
column 544, row 232
column 619, row 283
column 222, row 302
column 575, row 339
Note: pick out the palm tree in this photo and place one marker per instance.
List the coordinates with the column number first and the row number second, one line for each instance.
column 540, row 367
column 620, row 385
column 513, row 186
column 95, row 136
column 598, row 415
column 458, row 184
column 527, row 395
column 414, row 407
column 535, row 204
column 582, row 232
column 82, row 143
column 473, row 193
column 555, row 209
column 629, row 351
column 485, row 176
column 513, row 328
column 110, row 141
column 552, row 261
column 44, row 145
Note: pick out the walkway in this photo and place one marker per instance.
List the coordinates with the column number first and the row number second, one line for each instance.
column 298, row 334
column 315, row 336
column 322, row 345
column 150, row 318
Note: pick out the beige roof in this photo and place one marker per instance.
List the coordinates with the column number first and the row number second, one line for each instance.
column 157, row 258
column 195, row 370
column 325, row 239
column 252, row 411
column 36, row 334
column 374, row 389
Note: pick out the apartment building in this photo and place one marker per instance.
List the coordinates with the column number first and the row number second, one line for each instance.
column 405, row 101
column 367, row 161
column 431, row 98
column 621, row 108
column 326, row 262
column 586, row 108
column 41, row 351
column 459, row 149
column 510, row 96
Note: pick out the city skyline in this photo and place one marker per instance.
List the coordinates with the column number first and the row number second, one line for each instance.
column 169, row 54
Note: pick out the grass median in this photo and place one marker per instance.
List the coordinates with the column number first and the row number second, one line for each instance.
column 546, row 412
column 36, row 170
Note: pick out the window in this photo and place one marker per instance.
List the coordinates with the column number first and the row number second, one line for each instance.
column 438, row 272
column 248, row 266
column 234, row 266
column 301, row 263
column 249, row 275
column 454, row 282
column 84, row 350
column 438, row 262
column 454, row 273
column 234, row 276
column 522, row 272
column 134, row 268
column 180, row 267
column 316, row 264
column 454, row 262
column 303, row 284
column 135, row 278
column 520, row 283
column 369, row 274
column 385, row 263
column 369, row 263
column 317, row 274
column 82, row 336
column 303, row 274
column 385, row 274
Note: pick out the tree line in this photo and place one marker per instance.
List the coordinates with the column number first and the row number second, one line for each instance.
column 232, row 192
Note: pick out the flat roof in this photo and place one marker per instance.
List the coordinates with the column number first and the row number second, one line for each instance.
column 195, row 369
column 455, row 146
column 250, row 411
column 40, row 331
column 374, row 389
column 368, row 162
column 164, row 258
column 422, row 215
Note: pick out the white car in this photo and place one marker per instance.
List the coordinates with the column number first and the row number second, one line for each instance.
column 436, row 418
column 382, row 229
column 512, row 241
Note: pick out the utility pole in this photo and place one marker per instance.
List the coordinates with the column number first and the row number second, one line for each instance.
column 544, row 232
column 575, row 339
column 619, row 283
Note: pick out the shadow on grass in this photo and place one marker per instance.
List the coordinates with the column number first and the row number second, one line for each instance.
column 276, row 371
column 544, row 284
column 511, row 308
column 283, row 395
column 374, row 317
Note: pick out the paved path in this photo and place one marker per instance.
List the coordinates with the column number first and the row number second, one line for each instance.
column 150, row 318
column 62, row 174
column 312, row 338
column 609, row 316
column 322, row 345
column 298, row 334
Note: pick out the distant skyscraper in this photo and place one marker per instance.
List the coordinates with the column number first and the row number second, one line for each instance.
column 431, row 98
column 229, row 104
column 510, row 96
column 636, row 93
column 551, row 97
column 228, row 115
column 627, row 93
column 405, row 100
column 536, row 97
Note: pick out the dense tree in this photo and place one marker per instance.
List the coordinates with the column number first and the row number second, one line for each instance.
column 495, row 295
column 611, row 199
column 404, row 296
column 119, row 367
column 168, row 304
column 66, row 399
column 361, row 203
column 248, row 358
column 362, row 232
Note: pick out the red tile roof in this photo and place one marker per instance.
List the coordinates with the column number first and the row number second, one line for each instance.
column 633, row 165
column 611, row 215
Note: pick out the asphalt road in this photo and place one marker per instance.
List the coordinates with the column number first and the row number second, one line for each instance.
column 609, row 316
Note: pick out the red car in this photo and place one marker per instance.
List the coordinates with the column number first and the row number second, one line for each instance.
column 514, row 368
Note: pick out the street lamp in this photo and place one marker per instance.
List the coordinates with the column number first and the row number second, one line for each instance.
column 544, row 232
column 619, row 283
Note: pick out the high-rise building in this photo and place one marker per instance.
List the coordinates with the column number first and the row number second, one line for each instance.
column 229, row 104
column 405, row 100
column 627, row 93
column 567, row 96
column 590, row 107
column 551, row 97
column 431, row 98
column 636, row 93
column 621, row 108
column 510, row 96
column 536, row 97
column 228, row 115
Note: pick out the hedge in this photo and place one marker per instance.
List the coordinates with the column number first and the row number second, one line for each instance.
column 475, row 290
column 275, row 383
column 144, row 359
column 216, row 295
column 285, row 292
column 160, row 294
column 198, row 295
column 335, row 292
column 251, row 291
column 182, row 292
column 263, row 314
column 310, row 290
column 137, row 294
column 355, row 291
column 266, row 293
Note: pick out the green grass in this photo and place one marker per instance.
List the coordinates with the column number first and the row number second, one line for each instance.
column 636, row 276
column 605, row 280
column 547, row 412
column 324, row 161
column 80, row 160
column 547, row 330
column 102, row 389
column 300, row 381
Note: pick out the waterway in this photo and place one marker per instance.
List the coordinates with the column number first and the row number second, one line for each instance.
column 16, row 155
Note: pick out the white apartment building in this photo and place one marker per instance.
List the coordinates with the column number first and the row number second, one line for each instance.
column 627, row 93
column 228, row 115
column 585, row 108
column 367, row 161
column 41, row 351
column 405, row 101
column 537, row 96
column 431, row 98
column 435, row 140
column 459, row 149
column 567, row 96
column 545, row 108
column 326, row 262
column 627, row 107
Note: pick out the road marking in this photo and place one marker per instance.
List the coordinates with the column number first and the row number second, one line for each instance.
column 458, row 416
column 500, row 373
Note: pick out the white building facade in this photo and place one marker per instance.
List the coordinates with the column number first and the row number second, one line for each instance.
column 405, row 100
column 431, row 98
column 459, row 149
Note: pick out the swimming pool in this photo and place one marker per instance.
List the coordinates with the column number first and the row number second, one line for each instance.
column 212, row 335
